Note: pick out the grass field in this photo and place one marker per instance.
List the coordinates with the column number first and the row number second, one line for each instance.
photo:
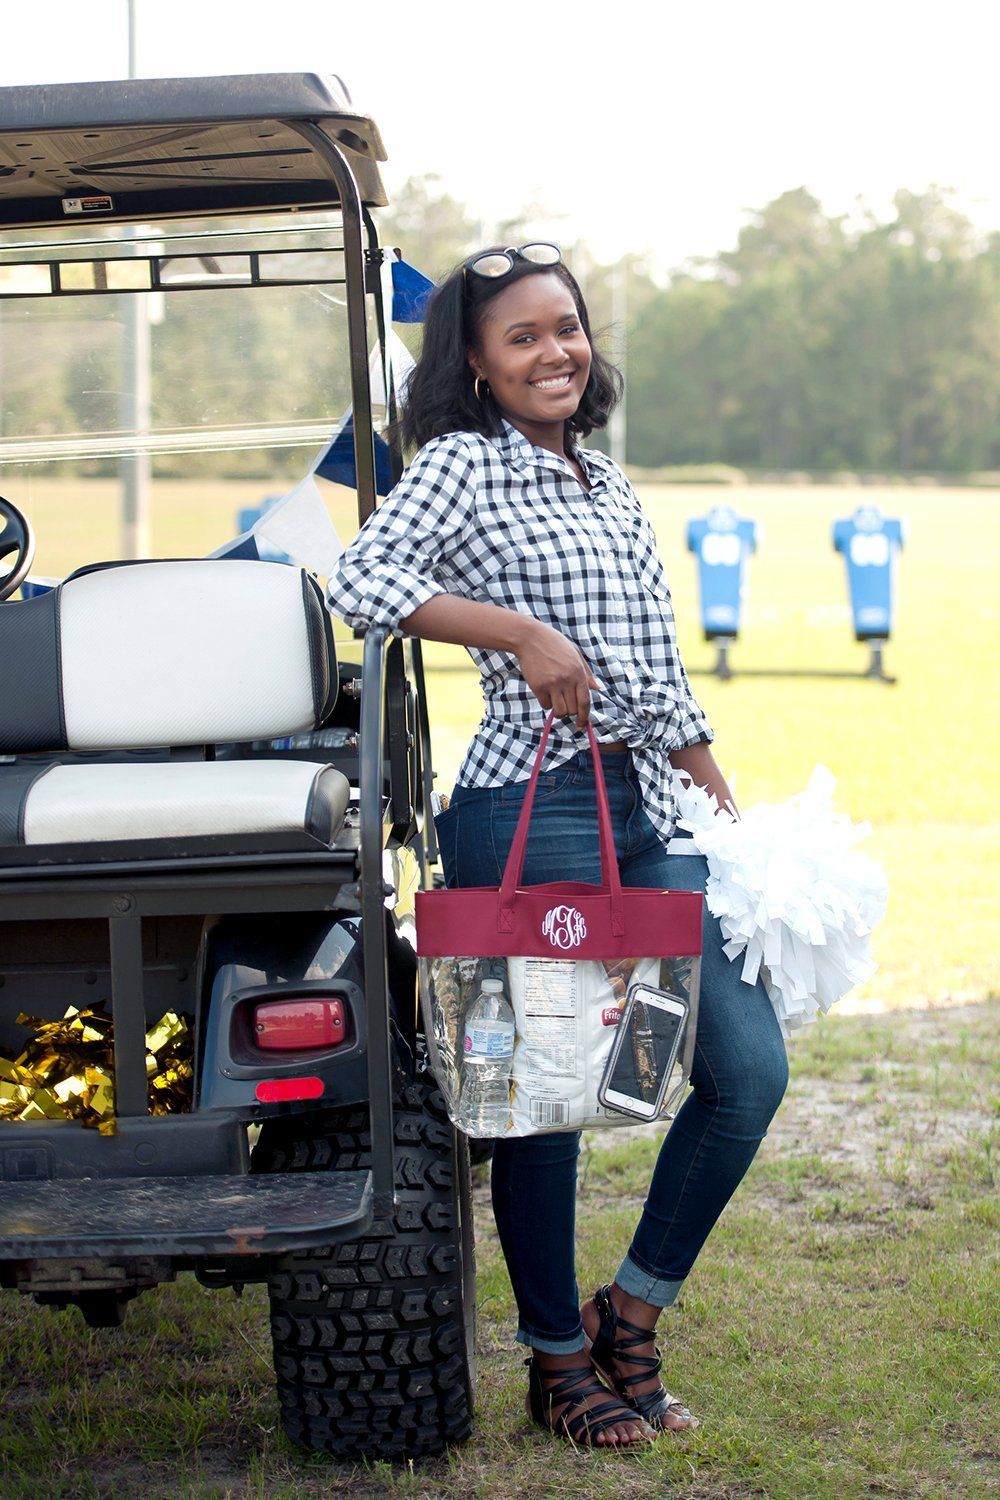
column 837, row 1336
column 918, row 759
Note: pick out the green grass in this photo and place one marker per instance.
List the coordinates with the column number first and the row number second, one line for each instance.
column 917, row 760
column 834, row 1336
column 837, row 1337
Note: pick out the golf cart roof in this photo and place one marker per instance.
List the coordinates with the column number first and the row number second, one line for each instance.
column 154, row 148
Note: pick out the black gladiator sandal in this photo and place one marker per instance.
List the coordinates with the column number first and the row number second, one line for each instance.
column 657, row 1407
column 569, row 1388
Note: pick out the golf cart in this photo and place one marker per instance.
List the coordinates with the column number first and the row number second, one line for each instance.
column 209, row 825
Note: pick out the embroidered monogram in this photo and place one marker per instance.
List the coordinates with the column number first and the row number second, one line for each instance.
column 564, row 927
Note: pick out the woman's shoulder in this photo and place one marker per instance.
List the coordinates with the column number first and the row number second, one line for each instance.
column 452, row 461
column 447, row 470
column 460, row 445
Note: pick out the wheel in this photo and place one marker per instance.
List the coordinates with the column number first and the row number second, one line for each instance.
column 374, row 1340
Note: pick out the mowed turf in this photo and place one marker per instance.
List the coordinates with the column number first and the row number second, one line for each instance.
column 838, row 1333
column 837, row 1336
column 917, row 759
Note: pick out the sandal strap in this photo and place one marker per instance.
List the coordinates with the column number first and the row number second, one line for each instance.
column 602, row 1297
column 608, row 1347
column 623, row 1383
column 657, row 1404
column 559, row 1384
column 649, row 1364
column 569, row 1388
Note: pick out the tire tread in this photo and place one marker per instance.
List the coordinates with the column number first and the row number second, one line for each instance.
column 370, row 1348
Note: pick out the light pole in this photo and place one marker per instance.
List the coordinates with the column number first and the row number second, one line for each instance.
column 134, row 405
column 618, row 424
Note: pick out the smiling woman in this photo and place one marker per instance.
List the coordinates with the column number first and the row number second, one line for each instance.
column 508, row 537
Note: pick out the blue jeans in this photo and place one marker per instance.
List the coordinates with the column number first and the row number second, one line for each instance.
column 738, row 1077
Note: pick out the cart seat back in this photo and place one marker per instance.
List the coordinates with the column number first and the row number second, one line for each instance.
column 138, row 661
column 165, row 654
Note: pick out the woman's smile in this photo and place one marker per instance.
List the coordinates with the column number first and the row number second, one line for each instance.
column 553, row 382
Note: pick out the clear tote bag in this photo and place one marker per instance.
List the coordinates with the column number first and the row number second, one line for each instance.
column 522, row 987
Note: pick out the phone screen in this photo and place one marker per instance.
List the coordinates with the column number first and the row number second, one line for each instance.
column 646, row 1051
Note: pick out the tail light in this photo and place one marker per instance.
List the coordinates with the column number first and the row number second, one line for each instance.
column 300, row 1025
column 281, row 1090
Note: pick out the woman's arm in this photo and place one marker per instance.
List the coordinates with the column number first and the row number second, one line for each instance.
column 464, row 622
column 551, row 665
column 699, row 762
column 393, row 564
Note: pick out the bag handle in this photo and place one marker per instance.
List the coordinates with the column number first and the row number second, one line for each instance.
column 514, row 868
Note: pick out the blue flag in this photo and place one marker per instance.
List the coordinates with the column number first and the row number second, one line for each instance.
column 410, row 291
column 242, row 548
column 337, row 463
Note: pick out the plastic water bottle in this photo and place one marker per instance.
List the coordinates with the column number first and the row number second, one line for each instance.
column 487, row 1055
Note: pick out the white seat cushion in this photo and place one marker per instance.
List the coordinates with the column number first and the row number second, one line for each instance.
column 114, row 802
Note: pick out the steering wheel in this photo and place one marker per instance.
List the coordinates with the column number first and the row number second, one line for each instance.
column 17, row 536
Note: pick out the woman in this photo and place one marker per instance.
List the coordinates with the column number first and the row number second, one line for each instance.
column 507, row 537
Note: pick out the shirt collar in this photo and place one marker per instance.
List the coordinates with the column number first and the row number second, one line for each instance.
column 516, row 448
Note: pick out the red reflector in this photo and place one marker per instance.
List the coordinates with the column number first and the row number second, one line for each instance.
column 297, row 1025
column 274, row 1090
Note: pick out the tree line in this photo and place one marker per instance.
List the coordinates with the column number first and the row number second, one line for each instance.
column 812, row 345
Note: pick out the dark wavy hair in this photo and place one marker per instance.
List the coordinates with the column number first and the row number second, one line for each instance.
column 440, row 396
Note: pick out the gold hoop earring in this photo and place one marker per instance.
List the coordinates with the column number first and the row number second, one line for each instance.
column 475, row 386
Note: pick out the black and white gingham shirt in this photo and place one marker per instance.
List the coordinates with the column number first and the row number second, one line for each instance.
column 503, row 522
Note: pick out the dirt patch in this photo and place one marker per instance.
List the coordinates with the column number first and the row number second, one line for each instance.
column 887, row 1125
column 918, row 1101
column 822, row 1117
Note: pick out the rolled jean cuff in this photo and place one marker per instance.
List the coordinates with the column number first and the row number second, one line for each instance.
column 573, row 1343
column 658, row 1291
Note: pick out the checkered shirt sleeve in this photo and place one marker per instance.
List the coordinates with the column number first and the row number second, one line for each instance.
column 398, row 559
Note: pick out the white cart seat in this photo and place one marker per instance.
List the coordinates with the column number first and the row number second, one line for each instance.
column 89, row 804
column 145, row 660
column 166, row 653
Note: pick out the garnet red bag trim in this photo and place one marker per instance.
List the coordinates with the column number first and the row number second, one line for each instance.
column 565, row 919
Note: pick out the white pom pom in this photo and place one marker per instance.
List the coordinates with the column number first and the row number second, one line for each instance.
column 791, row 892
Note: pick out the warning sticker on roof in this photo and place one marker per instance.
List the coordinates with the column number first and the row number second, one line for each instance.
column 97, row 203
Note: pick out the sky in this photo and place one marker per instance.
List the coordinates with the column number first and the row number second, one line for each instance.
column 642, row 127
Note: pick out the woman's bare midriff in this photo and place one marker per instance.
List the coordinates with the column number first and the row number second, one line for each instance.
column 614, row 747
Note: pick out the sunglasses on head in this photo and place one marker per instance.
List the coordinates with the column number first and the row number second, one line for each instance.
column 496, row 263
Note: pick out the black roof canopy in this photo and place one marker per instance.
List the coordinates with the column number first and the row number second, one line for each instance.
column 155, row 148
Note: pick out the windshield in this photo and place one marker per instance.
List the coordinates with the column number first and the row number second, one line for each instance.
column 152, row 422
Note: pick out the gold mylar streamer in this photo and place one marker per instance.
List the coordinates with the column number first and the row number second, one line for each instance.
column 67, row 1069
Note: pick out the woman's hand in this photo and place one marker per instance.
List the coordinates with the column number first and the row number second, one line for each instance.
column 699, row 762
column 556, row 671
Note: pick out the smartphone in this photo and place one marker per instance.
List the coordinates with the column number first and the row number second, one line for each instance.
column 642, row 1057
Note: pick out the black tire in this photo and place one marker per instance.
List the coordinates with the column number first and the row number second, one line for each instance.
column 374, row 1339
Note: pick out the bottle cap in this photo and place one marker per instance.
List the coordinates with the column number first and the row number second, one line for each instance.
column 495, row 986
